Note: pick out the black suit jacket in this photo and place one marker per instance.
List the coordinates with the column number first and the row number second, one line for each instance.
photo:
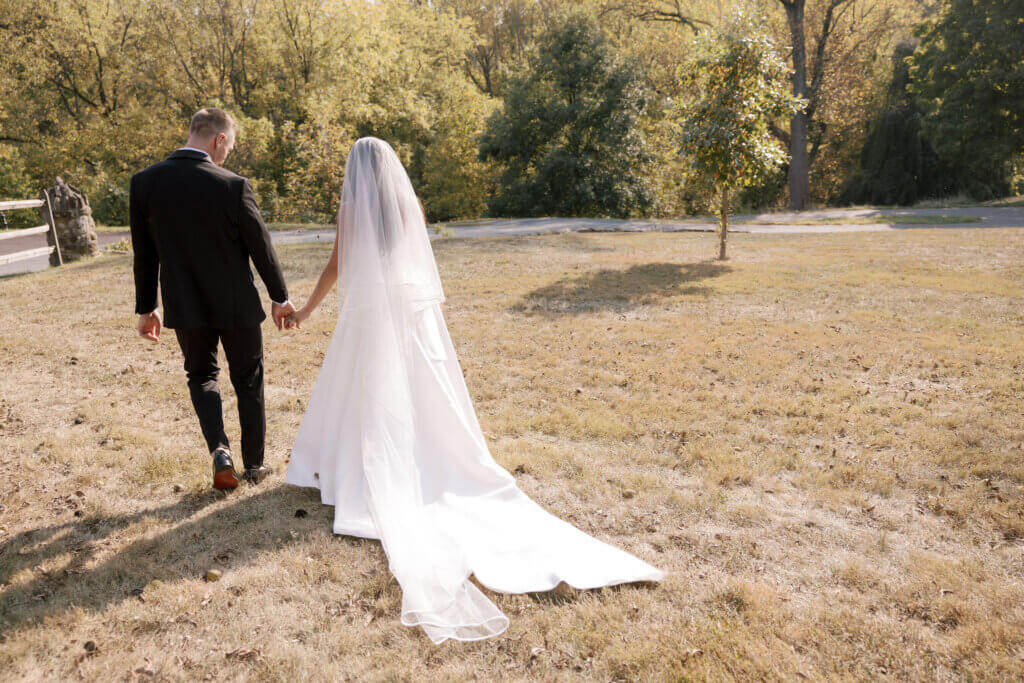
column 194, row 228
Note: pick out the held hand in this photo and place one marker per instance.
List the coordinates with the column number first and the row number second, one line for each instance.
column 280, row 312
column 150, row 326
column 295, row 320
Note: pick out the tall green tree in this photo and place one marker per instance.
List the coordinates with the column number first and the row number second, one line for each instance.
column 568, row 139
column 737, row 87
column 969, row 75
column 898, row 164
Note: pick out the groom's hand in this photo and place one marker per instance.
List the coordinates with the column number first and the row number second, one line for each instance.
column 280, row 312
column 150, row 325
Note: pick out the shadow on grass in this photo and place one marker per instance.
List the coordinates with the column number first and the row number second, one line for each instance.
column 230, row 537
column 620, row 290
column 236, row 535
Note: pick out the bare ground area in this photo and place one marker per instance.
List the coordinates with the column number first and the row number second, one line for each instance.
column 821, row 441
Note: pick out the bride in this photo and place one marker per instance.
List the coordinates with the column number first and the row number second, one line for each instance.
column 391, row 439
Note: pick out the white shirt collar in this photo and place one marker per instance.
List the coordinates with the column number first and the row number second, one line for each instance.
column 193, row 149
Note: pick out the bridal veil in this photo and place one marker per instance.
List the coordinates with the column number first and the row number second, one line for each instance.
column 391, row 439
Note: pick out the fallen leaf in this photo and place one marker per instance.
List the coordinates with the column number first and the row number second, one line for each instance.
column 563, row 590
column 244, row 654
column 146, row 669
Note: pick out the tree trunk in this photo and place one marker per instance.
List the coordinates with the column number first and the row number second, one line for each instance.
column 723, row 224
column 799, row 164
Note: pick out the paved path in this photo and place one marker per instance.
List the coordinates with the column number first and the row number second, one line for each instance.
column 973, row 217
column 979, row 217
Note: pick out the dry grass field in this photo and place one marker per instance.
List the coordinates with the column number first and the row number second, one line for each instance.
column 821, row 441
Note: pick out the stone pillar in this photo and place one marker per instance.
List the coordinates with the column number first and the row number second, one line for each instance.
column 72, row 216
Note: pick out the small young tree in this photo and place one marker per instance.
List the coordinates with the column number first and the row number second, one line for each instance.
column 734, row 88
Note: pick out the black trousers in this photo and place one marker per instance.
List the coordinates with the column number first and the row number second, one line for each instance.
column 244, row 351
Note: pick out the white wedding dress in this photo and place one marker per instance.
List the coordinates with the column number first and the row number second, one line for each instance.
column 391, row 439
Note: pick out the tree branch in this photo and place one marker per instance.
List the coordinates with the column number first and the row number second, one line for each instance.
column 828, row 25
column 644, row 11
column 780, row 134
column 817, row 140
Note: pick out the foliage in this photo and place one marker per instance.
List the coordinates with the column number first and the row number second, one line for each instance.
column 846, row 58
column 969, row 75
column 569, row 139
column 15, row 182
column 106, row 87
column 504, row 31
column 111, row 202
column 121, row 246
column 93, row 90
column 898, row 165
column 737, row 88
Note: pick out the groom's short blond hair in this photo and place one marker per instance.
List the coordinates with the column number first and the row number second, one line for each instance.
column 210, row 121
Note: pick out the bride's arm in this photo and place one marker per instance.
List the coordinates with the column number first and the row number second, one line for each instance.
column 323, row 285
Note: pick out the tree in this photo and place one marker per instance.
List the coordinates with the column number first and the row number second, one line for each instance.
column 568, row 138
column 898, row 165
column 800, row 162
column 737, row 82
column 14, row 181
column 832, row 45
column 504, row 29
column 93, row 90
column 969, row 75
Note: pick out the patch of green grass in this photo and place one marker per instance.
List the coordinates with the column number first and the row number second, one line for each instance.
column 1007, row 201
column 280, row 227
column 885, row 219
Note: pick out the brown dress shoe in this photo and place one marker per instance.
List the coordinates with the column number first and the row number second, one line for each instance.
column 224, row 476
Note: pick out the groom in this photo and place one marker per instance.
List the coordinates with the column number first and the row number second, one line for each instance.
column 195, row 226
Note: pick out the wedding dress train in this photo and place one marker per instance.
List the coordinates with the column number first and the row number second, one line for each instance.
column 391, row 439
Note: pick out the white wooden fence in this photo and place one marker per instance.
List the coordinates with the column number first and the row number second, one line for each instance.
column 50, row 227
